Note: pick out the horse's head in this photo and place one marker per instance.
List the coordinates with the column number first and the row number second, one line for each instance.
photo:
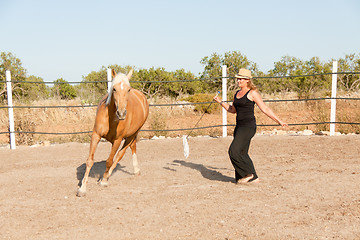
column 120, row 92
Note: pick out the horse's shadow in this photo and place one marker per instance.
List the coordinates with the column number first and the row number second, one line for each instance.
column 97, row 170
column 210, row 173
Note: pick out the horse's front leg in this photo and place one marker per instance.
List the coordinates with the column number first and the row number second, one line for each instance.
column 109, row 161
column 95, row 138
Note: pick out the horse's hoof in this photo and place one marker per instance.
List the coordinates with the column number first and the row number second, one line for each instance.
column 80, row 193
column 104, row 183
column 138, row 173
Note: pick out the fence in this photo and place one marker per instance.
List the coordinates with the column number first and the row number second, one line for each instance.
column 224, row 124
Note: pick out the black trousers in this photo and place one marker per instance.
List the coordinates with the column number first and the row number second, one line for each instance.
column 239, row 152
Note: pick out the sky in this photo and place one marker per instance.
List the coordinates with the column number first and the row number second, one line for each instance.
column 70, row 39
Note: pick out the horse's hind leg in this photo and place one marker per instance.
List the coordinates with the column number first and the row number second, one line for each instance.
column 134, row 157
column 109, row 161
column 95, row 138
column 128, row 141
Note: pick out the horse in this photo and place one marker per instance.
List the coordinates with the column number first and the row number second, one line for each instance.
column 120, row 115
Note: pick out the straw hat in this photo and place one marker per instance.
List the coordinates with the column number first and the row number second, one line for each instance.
column 244, row 73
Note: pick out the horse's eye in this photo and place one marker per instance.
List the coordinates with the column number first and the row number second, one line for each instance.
column 114, row 89
column 129, row 90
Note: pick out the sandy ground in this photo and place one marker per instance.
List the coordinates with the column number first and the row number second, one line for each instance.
column 310, row 189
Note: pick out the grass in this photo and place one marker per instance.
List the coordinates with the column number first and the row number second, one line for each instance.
column 169, row 117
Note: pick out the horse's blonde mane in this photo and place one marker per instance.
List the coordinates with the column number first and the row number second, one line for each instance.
column 120, row 77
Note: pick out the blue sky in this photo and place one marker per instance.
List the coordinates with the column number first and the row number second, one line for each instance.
column 69, row 39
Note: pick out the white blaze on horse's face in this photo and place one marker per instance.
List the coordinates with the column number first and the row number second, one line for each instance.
column 121, row 96
column 120, row 91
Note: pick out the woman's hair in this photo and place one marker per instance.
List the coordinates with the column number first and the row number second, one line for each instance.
column 251, row 85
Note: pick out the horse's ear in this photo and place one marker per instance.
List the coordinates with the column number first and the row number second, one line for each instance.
column 130, row 73
column 113, row 73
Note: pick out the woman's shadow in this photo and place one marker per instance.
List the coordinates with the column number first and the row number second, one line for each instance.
column 97, row 170
column 210, row 173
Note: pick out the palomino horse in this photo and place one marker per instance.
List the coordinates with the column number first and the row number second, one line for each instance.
column 120, row 115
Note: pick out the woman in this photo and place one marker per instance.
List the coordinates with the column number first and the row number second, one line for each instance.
column 243, row 106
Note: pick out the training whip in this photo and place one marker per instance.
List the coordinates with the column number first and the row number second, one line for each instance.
column 185, row 137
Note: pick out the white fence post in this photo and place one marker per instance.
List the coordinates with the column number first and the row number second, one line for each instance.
column 11, row 110
column 109, row 79
column 224, row 98
column 333, row 99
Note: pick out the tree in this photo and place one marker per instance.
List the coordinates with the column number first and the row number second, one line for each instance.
column 63, row 89
column 94, row 85
column 9, row 62
column 151, row 82
column 287, row 66
column 233, row 60
column 156, row 81
column 305, row 86
column 180, row 88
column 351, row 63
column 33, row 88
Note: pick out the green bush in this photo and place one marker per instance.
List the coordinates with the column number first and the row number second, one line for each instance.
column 63, row 89
column 204, row 97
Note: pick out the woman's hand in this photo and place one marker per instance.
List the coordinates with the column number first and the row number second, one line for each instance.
column 217, row 99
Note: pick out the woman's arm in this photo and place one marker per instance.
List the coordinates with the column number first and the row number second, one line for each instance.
column 228, row 107
column 255, row 96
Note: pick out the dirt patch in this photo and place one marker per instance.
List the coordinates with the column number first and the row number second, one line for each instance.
column 309, row 190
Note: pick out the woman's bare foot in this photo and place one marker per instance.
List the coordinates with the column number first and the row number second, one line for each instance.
column 255, row 180
column 248, row 179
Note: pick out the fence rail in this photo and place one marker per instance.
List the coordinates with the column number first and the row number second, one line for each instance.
column 183, row 129
column 333, row 99
column 190, row 80
column 184, row 104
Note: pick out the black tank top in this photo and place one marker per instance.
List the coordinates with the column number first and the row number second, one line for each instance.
column 244, row 111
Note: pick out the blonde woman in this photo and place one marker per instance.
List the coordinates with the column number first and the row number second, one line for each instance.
column 243, row 106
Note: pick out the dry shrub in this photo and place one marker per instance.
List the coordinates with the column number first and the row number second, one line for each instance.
column 167, row 117
column 348, row 111
column 321, row 113
column 290, row 112
column 313, row 112
column 82, row 138
column 4, row 125
column 213, row 132
column 157, row 120
column 53, row 120
column 25, row 125
column 171, row 117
